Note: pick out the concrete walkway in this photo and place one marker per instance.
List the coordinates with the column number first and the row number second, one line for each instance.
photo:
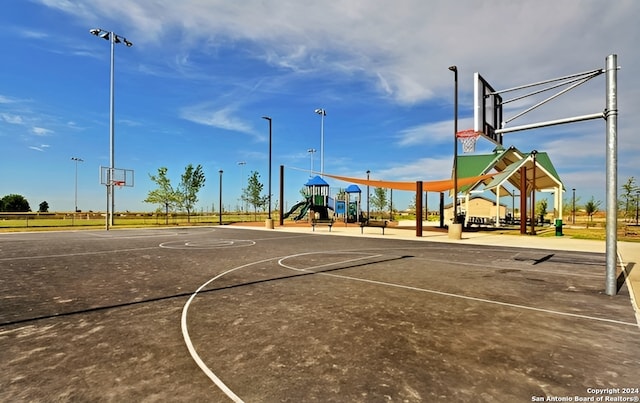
column 628, row 252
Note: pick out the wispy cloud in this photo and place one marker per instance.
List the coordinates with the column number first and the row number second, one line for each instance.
column 431, row 133
column 220, row 118
column 129, row 122
column 6, row 100
column 40, row 131
column 401, row 48
column 41, row 148
column 10, row 118
column 32, row 34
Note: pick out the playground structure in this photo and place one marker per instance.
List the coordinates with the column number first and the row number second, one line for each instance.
column 320, row 205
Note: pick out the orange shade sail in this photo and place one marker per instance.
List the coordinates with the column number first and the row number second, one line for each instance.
column 427, row 186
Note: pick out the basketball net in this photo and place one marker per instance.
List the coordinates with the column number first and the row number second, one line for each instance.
column 468, row 139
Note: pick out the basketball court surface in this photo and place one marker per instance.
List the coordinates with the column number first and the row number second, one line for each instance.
column 234, row 314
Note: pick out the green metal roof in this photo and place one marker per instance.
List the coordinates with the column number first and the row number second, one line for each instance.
column 503, row 161
column 543, row 159
column 474, row 165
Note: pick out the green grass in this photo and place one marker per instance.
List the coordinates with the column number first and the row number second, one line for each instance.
column 592, row 233
column 55, row 221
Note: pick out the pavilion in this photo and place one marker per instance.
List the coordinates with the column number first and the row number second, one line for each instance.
column 526, row 172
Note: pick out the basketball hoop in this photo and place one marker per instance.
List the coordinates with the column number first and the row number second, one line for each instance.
column 468, row 139
column 119, row 184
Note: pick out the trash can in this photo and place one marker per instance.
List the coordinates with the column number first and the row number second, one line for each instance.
column 558, row 227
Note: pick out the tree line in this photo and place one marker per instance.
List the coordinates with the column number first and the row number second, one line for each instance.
column 185, row 195
column 15, row 203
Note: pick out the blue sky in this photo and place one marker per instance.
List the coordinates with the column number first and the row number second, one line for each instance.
column 201, row 74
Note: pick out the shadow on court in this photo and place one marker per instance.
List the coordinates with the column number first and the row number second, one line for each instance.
column 115, row 316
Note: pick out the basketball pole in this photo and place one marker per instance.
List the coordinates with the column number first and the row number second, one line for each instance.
column 611, row 115
column 112, row 165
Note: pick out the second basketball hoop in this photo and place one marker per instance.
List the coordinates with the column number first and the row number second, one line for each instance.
column 468, row 139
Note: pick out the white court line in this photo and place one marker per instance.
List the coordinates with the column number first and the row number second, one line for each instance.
column 192, row 350
column 486, row 265
column 521, row 269
column 185, row 331
column 487, row 301
column 524, row 270
column 212, row 244
column 448, row 294
column 225, row 389
column 309, row 269
column 143, row 234
column 76, row 254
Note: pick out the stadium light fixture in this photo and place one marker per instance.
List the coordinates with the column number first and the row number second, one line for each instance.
column 113, row 38
column 311, row 151
column 322, row 114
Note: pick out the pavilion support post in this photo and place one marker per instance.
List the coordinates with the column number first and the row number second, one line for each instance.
column 281, row 195
column 523, row 200
column 441, row 210
column 533, row 194
column 419, row 208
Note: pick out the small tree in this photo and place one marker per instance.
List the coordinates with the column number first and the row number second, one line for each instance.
column 379, row 199
column 629, row 189
column 192, row 181
column 43, row 207
column 567, row 205
column 591, row 208
column 164, row 194
column 252, row 194
column 412, row 203
column 541, row 209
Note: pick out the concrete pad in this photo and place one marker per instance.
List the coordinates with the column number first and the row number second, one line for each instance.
column 275, row 315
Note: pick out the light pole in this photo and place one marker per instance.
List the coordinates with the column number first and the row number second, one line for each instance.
column 637, row 197
column 113, row 39
column 242, row 164
column 76, row 159
column 455, row 145
column 311, row 151
column 368, row 172
column 322, row 114
column 220, row 200
column 269, row 195
column 573, row 208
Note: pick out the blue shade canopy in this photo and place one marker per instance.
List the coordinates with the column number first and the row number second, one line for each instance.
column 316, row 181
column 353, row 189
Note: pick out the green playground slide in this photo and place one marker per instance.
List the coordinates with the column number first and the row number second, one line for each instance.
column 305, row 206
